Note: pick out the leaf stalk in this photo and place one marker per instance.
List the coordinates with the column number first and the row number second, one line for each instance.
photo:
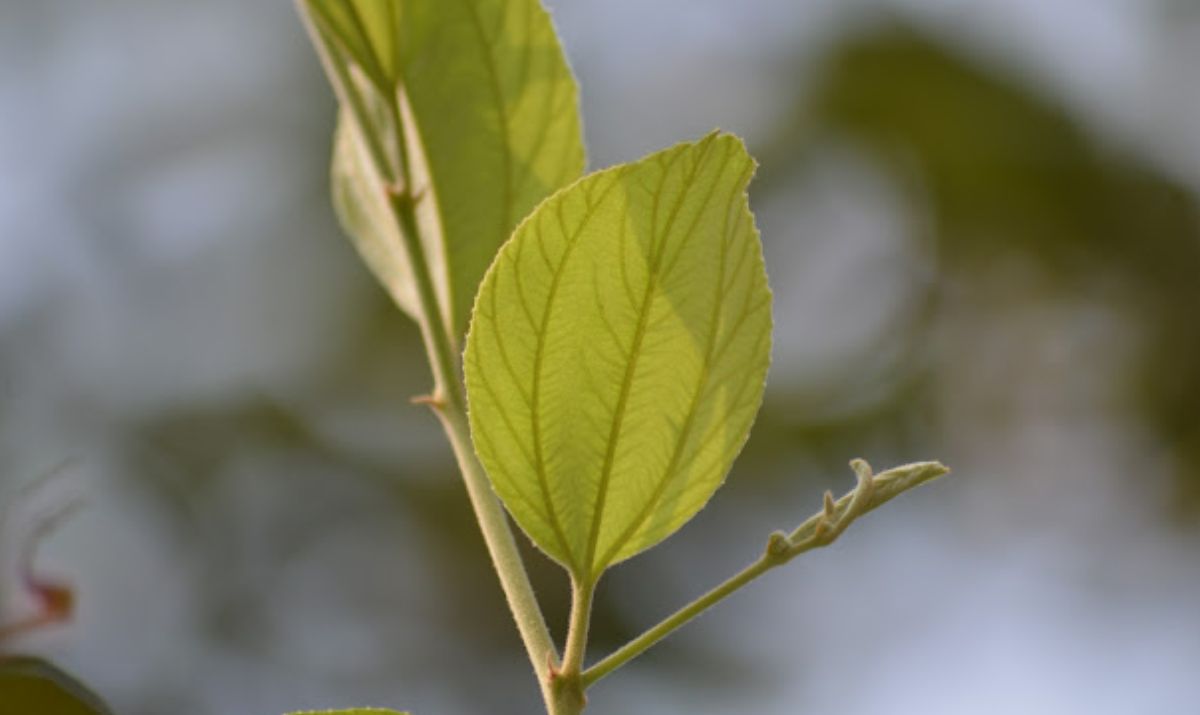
column 567, row 682
column 821, row 529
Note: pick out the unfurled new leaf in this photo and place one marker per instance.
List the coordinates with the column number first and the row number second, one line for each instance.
column 618, row 351
column 487, row 109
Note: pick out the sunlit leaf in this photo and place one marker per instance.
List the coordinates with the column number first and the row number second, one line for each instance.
column 489, row 113
column 31, row 685
column 618, row 352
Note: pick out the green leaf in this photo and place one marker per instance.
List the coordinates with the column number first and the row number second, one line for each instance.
column 360, row 200
column 488, row 110
column 618, row 352
column 30, row 685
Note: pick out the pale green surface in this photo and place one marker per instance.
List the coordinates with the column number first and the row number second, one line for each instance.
column 491, row 119
column 618, row 352
column 361, row 205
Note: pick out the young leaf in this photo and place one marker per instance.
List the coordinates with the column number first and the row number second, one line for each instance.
column 618, row 351
column 490, row 121
column 360, row 201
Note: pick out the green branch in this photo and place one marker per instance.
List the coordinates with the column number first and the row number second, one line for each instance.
column 448, row 399
column 567, row 682
column 819, row 530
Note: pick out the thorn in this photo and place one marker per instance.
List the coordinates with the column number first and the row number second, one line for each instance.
column 830, row 505
column 433, row 400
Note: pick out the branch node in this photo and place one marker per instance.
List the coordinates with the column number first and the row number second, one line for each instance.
column 778, row 546
column 403, row 193
column 434, row 400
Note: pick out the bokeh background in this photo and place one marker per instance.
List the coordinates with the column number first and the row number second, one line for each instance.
column 982, row 227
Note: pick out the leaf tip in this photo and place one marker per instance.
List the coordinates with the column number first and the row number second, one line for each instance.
column 907, row 476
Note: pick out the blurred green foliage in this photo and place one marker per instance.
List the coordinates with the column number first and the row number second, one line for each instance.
column 1004, row 171
column 1009, row 173
column 30, row 686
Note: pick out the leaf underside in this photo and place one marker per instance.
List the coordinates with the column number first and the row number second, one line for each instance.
column 618, row 352
column 490, row 116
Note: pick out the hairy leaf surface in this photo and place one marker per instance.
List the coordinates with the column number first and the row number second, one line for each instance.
column 618, row 352
column 489, row 112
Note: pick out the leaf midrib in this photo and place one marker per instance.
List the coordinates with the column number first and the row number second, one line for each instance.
column 635, row 351
column 539, row 355
column 701, row 387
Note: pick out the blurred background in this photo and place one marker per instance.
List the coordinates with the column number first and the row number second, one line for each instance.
column 982, row 227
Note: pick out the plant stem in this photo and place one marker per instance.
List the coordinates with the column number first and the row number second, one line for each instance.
column 567, row 682
column 819, row 530
column 668, row 625
column 448, row 399
column 577, row 636
column 450, row 405
column 503, row 549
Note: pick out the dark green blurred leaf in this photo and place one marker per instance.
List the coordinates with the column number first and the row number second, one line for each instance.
column 30, row 686
column 1011, row 175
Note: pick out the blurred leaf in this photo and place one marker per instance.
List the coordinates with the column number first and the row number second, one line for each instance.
column 1009, row 173
column 489, row 115
column 618, row 352
column 30, row 686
